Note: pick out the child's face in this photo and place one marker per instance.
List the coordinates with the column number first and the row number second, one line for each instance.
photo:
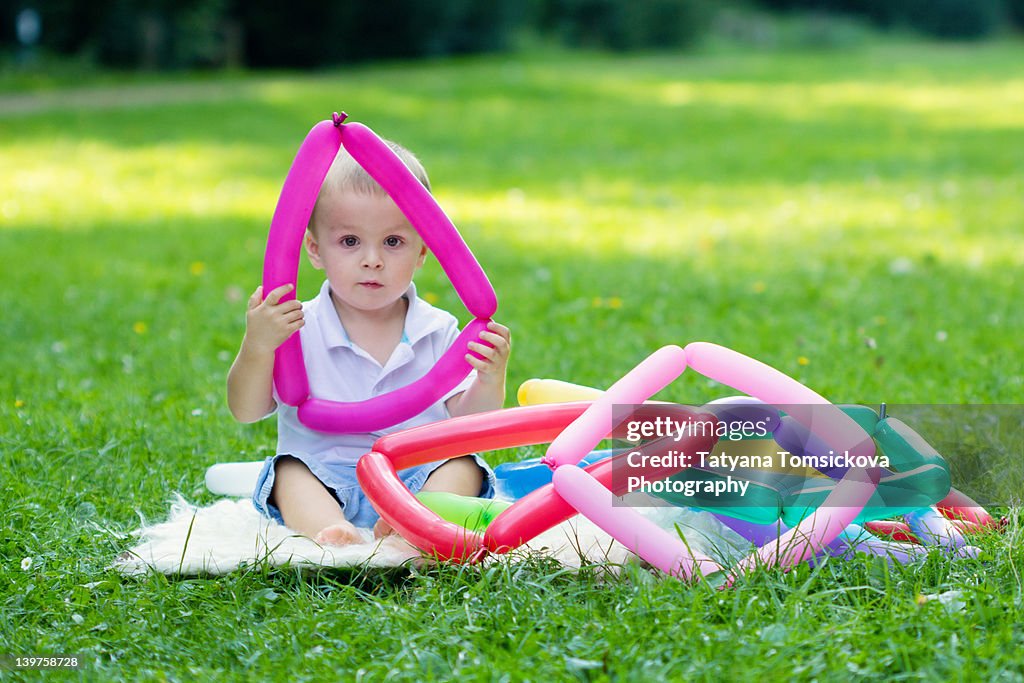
column 366, row 247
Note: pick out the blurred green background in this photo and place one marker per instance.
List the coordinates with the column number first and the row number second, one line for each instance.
column 175, row 34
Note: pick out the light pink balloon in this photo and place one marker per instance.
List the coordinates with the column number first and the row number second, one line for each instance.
column 819, row 529
column 643, row 537
column 745, row 374
column 652, row 375
column 835, row 427
column 764, row 382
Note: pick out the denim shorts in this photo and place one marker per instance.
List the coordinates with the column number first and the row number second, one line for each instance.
column 341, row 481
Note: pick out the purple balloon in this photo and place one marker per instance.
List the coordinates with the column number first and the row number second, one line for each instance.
column 933, row 529
column 856, row 539
column 800, row 441
column 732, row 409
column 758, row 534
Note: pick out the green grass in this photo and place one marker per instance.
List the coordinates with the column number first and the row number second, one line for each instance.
column 853, row 218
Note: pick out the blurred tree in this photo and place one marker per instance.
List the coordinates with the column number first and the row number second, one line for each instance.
column 126, row 33
column 67, row 25
column 306, row 33
column 1015, row 9
column 954, row 18
column 968, row 19
column 314, row 33
column 625, row 25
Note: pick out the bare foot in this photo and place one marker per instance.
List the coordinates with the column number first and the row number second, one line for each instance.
column 339, row 534
column 382, row 529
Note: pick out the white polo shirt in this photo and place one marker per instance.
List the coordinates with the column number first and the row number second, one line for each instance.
column 339, row 370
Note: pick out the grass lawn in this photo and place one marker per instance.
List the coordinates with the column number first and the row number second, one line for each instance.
column 853, row 218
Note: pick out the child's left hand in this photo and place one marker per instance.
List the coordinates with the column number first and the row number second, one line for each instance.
column 491, row 367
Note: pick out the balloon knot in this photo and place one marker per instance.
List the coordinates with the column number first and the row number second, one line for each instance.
column 338, row 118
column 477, row 555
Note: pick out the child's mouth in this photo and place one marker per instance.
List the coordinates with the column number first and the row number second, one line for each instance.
column 371, row 284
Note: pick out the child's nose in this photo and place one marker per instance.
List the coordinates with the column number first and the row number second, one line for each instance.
column 372, row 258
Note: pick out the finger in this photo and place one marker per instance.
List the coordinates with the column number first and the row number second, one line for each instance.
column 499, row 329
column 256, row 298
column 292, row 316
column 498, row 348
column 477, row 364
column 290, row 305
column 481, row 349
column 275, row 294
column 494, row 340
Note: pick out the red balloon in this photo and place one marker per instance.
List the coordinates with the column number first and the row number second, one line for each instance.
column 488, row 431
column 509, row 428
column 414, row 521
column 959, row 505
column 898, row 531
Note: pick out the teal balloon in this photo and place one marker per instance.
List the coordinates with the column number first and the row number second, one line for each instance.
column 917, row 477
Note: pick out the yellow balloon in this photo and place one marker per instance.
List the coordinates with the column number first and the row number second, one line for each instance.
column 543, row 391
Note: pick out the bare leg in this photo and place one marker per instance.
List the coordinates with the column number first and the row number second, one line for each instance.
column 308, row 506
column 459, row 475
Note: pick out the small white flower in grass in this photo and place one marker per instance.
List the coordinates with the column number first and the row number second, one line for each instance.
column 941, row 336
column 26, row 564
column 196, row 412
column 954, row 600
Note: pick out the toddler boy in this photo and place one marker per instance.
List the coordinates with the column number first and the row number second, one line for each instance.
column 366, row 333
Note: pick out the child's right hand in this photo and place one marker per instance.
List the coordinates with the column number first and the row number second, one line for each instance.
column 269, row 322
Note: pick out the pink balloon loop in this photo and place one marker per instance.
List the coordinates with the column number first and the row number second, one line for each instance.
column 643, row 537
column 759, row 380
column 648, row 378
column 772, row 386
column 764, row 382
column 281, row 266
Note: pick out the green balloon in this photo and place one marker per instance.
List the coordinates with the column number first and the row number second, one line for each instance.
column 475, row 514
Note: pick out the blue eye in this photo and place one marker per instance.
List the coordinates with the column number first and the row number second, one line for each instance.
column 392, row 241
column 349, row 241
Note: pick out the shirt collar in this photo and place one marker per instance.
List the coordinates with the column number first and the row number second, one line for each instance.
column 421, row 319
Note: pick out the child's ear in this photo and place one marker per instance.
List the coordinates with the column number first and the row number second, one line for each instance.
column 313, row 250
column 423, row 256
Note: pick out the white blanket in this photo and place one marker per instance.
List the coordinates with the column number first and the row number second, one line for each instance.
column 230, row 534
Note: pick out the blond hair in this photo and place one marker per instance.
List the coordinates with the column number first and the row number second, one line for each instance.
column 346, row 175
